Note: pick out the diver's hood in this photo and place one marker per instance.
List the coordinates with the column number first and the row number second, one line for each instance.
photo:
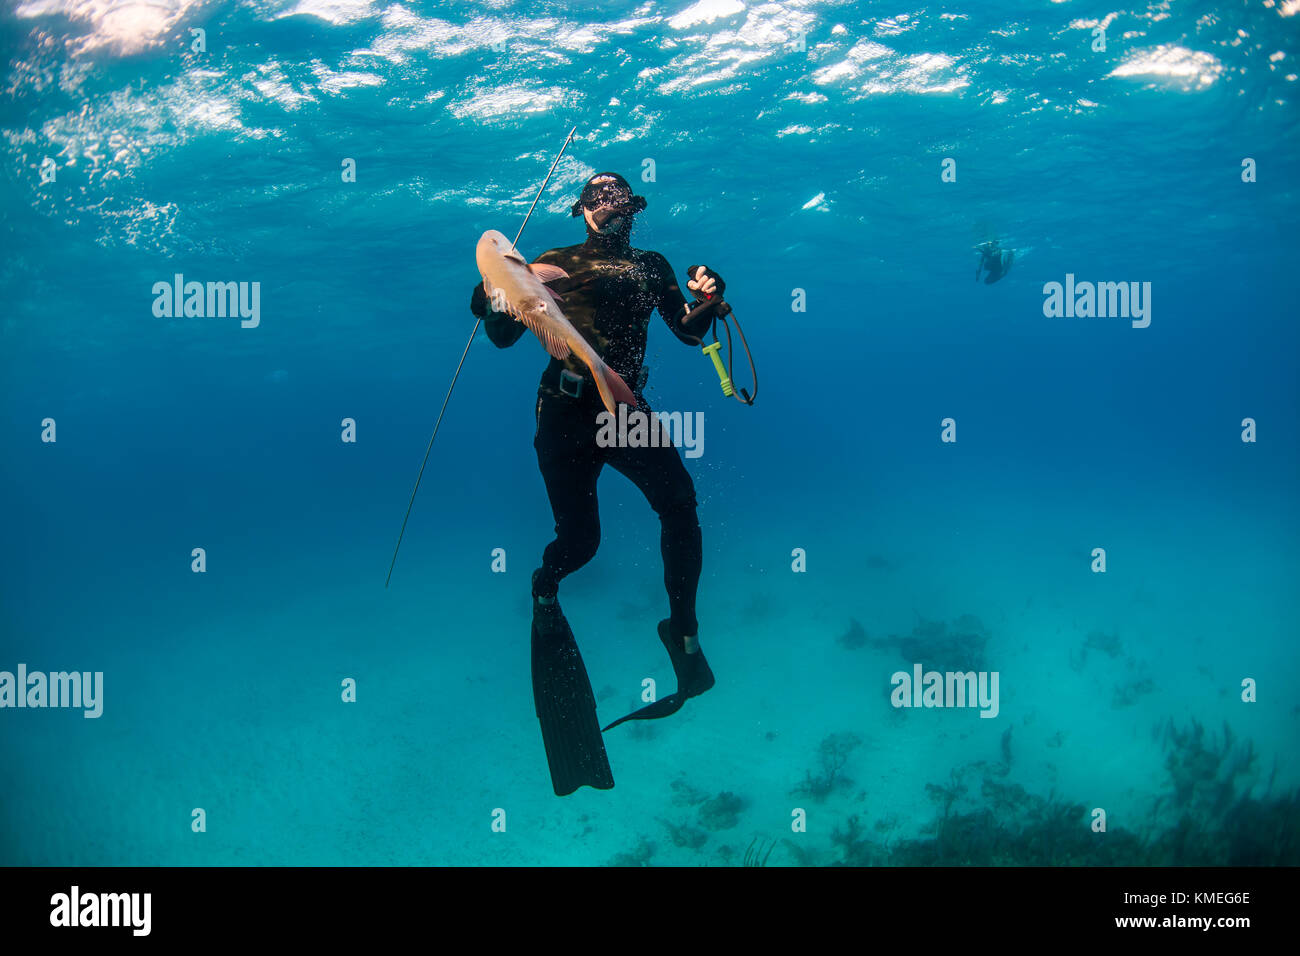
column 607, row 195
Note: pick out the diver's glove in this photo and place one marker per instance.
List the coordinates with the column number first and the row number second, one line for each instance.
column 719, row 286
column 698, row 325
column 478, row 302
column 501, row 330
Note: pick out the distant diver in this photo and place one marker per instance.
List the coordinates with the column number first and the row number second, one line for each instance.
column 995, row 262
column 607, row 290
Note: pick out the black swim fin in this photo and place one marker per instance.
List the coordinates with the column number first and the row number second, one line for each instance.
column 693, row 678
column 566, row 707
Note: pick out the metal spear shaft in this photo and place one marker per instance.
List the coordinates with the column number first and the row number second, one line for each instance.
column 461, row 363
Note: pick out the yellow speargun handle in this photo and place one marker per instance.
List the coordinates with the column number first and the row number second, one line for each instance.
column 712, row 352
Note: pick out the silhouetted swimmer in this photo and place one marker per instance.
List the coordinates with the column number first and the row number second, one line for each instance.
column 995, row 262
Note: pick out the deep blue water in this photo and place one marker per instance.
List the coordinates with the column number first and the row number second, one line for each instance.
column 816, row 169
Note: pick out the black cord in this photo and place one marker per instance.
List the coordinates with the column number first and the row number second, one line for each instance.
column 747, row 398
column 740, row 395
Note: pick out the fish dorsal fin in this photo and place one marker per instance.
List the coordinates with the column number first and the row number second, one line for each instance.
column 556, row 346
column 547, row 272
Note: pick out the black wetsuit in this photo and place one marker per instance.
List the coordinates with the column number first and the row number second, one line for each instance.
column 994, row 262
column 608, row 296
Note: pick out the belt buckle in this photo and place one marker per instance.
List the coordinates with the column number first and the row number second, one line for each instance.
column 575, row 380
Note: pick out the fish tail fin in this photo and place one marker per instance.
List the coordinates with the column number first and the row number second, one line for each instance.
column 611, row 386
column 619, row 387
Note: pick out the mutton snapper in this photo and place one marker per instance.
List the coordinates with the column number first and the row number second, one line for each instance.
column 506, row 272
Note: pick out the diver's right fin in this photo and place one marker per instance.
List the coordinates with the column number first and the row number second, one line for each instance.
column 566, row 707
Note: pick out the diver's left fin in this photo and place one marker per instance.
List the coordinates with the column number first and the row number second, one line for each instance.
column 694, row 677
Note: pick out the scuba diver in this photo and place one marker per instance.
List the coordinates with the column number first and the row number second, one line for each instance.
column 994, row 261
column 607, row 291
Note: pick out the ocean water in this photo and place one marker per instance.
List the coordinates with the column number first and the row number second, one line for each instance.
column 800, row 150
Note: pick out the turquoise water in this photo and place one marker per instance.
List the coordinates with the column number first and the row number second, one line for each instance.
column 795, row 146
